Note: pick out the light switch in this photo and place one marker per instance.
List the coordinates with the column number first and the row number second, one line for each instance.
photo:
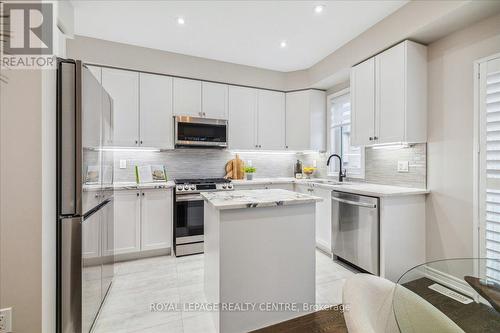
column 403, row 166
column 123, row 164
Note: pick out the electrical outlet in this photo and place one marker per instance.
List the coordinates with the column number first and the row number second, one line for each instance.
column 123, row 164
column 6, row 320
column 403, row 166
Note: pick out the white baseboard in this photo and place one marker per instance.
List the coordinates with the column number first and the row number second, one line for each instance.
column 323, row 248
column 450, row 281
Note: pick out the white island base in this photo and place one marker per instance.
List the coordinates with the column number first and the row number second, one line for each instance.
column 262, row 256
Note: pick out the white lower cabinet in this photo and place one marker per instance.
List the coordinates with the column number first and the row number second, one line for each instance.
column 323, row 214
column 324, row 219
column 127, row 226
column 156, row 219
column 143, row 220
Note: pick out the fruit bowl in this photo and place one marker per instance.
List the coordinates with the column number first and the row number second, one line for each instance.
column 308, row 171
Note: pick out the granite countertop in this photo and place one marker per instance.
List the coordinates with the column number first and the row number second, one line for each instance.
column 257, row 198
column 351, row 187
column 129, row 186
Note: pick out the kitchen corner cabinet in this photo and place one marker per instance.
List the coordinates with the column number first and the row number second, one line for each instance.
column 187, row 97
column 389, row 97
column 156, row 121
column 156, row 219
column 214, row 103
column 123, row 87
column 256, row 119
column 306, row 120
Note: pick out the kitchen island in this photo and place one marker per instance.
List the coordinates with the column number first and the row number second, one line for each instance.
column 259, row 257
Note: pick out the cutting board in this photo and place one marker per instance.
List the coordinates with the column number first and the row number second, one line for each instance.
column 235, row 168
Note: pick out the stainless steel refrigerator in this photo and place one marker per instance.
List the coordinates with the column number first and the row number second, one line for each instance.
column 85, row 221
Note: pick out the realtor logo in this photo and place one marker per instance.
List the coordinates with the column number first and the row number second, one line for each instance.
column 29, row 28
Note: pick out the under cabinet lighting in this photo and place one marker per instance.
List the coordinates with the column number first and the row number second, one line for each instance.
column 319, row 8
column 129, row 149
column 392, row 146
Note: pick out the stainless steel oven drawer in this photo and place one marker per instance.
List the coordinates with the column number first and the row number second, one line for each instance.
column 187, row 249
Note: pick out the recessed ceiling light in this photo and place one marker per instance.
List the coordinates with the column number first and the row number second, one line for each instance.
column 283, row 44
column 319, row 8
column 180, row 20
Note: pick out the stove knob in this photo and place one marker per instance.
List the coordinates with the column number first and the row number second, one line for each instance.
column 230, row 186
column 186, row 187
column 179, row 188
column 193, row 187
column 224, row 186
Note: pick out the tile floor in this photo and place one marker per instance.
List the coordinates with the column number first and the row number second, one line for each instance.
column 167, row 279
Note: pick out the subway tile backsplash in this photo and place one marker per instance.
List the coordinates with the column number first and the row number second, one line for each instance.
column 381, row 165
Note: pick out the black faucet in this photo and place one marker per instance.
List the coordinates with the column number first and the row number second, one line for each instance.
column 342, row 174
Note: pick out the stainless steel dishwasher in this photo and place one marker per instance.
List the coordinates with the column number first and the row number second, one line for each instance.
column 355, row 230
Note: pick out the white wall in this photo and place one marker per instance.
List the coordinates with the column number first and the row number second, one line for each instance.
column 103, row 52
column 450, row 137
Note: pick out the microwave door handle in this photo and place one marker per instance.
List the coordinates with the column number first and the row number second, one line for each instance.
column 355, row 203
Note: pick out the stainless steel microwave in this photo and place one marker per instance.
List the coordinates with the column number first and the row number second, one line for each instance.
column 200, row 132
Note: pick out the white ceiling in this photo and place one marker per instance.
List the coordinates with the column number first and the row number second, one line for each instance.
column 242, row 32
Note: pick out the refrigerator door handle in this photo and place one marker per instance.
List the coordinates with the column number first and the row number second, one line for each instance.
column 78, row 139
column 71, row 275
column 69, row 111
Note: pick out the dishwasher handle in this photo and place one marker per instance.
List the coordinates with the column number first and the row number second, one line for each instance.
column 355, row 203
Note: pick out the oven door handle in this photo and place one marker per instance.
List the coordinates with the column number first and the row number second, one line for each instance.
column 188, row 197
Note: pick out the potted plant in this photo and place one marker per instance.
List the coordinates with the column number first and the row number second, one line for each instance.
column 249, row 171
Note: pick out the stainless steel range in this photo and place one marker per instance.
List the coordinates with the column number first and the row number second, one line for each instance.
column 188, row 212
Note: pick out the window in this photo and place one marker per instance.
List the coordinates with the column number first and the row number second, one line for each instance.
column 489, row 167
column 339, row 114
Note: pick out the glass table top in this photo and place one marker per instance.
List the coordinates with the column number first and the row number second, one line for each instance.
column 455, row 295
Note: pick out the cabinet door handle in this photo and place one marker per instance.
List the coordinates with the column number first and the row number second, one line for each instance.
column 204, row 114
column 370, row 138
column 137, row 193
column 141, row 142
column 375, row 138
column 136, row 142
column 142, row 193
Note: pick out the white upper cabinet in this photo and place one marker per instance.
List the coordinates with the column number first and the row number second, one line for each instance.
column 156, row 219
column 187, row 97
column 270, row 120
column 214, row 100
column 123, row 87
column 156, row 121
column 306, row 120
column 389, row 96
column 242, row 117
column 363, row 101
